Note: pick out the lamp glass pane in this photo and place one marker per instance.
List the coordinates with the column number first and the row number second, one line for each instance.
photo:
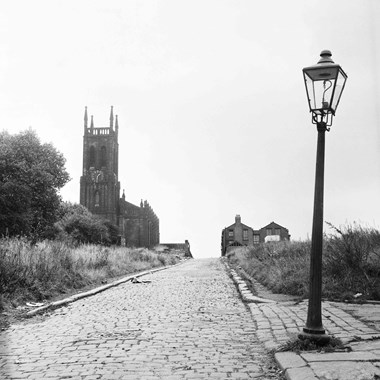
column 310, row 91
column 319, row 93
column 338, row 90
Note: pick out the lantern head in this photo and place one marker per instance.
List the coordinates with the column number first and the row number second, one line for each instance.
column 324, row 83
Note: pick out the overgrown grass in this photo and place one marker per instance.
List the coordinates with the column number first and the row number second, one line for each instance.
column 38, row 272
column 351, row 264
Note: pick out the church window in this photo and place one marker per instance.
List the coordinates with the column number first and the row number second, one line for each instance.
column 103, row 156
column 91, row 158
column 97, row 199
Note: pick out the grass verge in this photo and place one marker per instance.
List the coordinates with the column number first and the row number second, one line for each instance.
column 39, row 272
column 351, row 264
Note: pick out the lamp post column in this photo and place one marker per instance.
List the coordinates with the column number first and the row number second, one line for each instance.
column 324, row 83
column 314, row 317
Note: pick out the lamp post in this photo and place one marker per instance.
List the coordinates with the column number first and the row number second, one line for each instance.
column 324, row 84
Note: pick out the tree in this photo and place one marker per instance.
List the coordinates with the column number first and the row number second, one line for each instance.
column 78, row 223
column 31, row 174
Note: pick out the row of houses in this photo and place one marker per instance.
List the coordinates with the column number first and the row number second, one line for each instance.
column 239, row 234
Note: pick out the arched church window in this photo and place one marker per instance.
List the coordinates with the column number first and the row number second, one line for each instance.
column 91, row 157
column 103, row 156
column 97, row 199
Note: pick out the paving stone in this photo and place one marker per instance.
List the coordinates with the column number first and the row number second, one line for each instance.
column 188, row 323
column 302, row 373
column 289, row 360
column 366, row 346
column 338, row 356
column 345, row 370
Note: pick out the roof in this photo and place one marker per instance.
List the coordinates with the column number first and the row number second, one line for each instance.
column 233, row 225
column 273, row 224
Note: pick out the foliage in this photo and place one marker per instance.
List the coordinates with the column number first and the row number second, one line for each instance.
column 352, row 261
column 31, row 173
column 79, row 225
column 283, row 267
column 298, row 345
column 39, row 271
column 351, row 264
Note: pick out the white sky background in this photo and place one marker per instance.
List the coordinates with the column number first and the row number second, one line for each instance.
column 211, row 102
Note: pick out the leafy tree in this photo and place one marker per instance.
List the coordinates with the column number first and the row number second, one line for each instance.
column 31, row 174
column 113, row 232
column 78, row 223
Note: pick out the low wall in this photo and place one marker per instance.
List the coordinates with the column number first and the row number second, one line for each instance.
column 185, row 247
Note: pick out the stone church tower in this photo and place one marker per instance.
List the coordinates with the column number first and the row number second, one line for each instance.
column 100, row 187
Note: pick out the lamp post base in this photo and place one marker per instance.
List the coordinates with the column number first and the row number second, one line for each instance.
column 317, row 336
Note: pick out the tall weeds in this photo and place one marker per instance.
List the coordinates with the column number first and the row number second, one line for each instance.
column 37, row 272
column 352, row 261
column 351, row 264
column 279, row 266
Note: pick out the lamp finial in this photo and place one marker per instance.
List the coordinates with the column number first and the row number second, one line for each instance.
column 326, row 57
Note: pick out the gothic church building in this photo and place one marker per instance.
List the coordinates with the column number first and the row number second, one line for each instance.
column 100, row 187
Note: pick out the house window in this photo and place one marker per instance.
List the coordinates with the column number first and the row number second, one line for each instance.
column 278, row 231
column 256, row 239
column 231, row 233
column 245, row 234
column 269, row 231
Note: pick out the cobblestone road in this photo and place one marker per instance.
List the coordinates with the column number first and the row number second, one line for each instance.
column 188, row 323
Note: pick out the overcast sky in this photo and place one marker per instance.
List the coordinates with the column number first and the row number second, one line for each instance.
column 212, row 107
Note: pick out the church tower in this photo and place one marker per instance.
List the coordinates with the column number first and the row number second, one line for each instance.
column 99, row 184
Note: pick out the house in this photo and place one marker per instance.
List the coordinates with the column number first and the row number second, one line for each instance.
column 239, row 234
column 273, row 232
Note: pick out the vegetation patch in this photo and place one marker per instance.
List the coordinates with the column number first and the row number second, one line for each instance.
column 351, row 264
column 297, row 345
column 37, row 272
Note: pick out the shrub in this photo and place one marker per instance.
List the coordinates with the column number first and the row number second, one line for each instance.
column 78, row 225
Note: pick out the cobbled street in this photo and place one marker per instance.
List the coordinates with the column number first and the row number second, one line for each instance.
column 187, row 323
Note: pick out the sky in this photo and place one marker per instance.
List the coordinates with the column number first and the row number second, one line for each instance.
column 211, row 104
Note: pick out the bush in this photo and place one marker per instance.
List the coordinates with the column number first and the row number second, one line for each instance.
column 78, row 225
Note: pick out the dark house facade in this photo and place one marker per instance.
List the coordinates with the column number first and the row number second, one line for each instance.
column 100, row 187
column 239, row 234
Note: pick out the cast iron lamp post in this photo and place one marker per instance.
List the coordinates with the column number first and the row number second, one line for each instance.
column 324, row 84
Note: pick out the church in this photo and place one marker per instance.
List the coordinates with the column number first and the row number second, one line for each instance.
column 100, row 187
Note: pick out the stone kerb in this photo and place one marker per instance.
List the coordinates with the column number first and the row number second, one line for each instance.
column 279, row 322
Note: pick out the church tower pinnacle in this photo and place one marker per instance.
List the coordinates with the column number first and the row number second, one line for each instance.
column 111, row 118
column 85, row 118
